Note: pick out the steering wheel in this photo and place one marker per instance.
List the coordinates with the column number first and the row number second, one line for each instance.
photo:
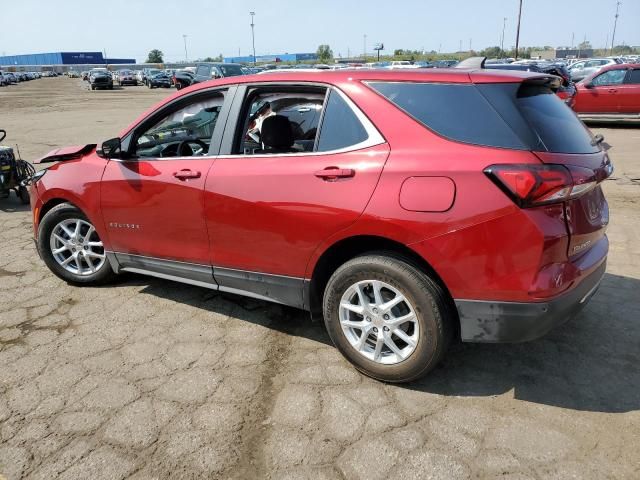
column 185, row 150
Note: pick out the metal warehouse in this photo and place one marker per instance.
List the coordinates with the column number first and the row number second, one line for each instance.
column 284, row 57
column 62, row 58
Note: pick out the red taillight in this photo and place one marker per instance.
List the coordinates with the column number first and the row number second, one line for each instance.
column 531, row 185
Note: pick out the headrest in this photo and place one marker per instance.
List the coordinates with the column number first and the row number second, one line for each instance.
column 276, row 132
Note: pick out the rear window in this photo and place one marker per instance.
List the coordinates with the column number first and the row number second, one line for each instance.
column 231, row 70
column 455, row 111
column 509, row 115
column 550, row 125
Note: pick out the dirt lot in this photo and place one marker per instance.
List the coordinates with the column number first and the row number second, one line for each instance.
column 152, row 379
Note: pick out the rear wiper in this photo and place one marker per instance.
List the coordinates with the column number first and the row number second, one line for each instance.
column 597, row 140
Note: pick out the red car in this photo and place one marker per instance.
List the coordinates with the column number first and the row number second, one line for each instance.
column 406, row 207
column 612, row 93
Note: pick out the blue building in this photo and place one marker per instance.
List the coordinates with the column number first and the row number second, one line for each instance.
column 63, row 58
column 284, row 57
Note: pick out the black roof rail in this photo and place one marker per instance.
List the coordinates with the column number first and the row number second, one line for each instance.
column 472, row 62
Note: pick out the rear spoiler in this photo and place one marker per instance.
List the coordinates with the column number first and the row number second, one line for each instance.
column 66, row 153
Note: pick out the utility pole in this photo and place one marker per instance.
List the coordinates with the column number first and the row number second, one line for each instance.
column 364, row 50
column 470, row 49
column 504, row 24
column 573, row 37
column 460, row 49
column 253, row 38
column 615, row 24
column 186, row 54
column 518, row 30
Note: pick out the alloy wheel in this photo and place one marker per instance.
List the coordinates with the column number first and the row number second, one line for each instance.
column 379, row 322
column 76, row 246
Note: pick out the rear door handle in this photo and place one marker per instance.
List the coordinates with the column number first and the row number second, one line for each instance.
column 333, row 173
column 186, row 174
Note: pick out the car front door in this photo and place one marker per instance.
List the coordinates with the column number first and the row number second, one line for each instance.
column 152, row 201
column 601, row 96
column 297, row 165
column 629, row 93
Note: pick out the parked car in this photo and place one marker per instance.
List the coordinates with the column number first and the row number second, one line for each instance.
column 127, row 77
column 445, row 63
column 308, row 189
column 567, row 89
column 402, row 64
column 10, row 78
column 3, row 80
column 160, row 79
column 584, row 68
column 182, row 79
column 140, row 76
column 84, row 75
column 207, row 71
column 612, row 93
column 149, row 72
column 100, row 78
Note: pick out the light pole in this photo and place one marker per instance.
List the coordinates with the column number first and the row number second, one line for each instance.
column 518, row 31
column 364, row 49
column 504, row 24
column 253, row 37
column 615, row 24
column 186, row 55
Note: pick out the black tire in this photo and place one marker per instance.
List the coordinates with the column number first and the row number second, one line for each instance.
column 58, row 213
column 430, row 303
column 23, row 195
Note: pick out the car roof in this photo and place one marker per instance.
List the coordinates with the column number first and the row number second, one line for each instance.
column 344, row 76
column 443, row 75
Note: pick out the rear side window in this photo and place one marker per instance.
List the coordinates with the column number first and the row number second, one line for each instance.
column 455, row 111
column 610, row 77
column 202, row 71
column 340, row 126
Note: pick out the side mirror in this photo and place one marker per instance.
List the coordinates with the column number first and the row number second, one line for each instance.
column 111, row 148
column 588, row 85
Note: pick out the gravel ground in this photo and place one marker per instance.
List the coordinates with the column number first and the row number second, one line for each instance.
column 151, row 379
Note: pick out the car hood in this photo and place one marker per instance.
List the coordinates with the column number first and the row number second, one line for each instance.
column 66, row 153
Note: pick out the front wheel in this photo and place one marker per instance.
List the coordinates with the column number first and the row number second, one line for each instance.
column 71, row 247
column 387, row 317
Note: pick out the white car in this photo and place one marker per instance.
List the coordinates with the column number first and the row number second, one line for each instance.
column 584, row 68
column 401, row 64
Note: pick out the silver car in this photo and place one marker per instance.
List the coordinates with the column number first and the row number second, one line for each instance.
column 584, row 68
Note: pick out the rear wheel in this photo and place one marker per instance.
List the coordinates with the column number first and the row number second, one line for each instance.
column 388, row 318
column 72, row 249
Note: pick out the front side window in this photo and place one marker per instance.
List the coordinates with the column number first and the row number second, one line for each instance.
column 186, row 132
column 611, row 77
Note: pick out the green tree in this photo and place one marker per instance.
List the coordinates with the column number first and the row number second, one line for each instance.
column 155, row 56
column 584, row 45
column 491, row 52
column 324, row 53
column 397, row 52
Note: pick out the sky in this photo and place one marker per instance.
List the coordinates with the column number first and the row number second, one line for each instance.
column 130, row 28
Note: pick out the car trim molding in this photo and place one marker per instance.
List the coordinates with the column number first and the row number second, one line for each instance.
column 282, row 289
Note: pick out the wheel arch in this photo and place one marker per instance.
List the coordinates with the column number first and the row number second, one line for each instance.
column 350, row 247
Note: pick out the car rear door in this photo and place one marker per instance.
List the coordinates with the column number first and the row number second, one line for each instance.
column 629, row 93
column 267, row 211
column 153, row 201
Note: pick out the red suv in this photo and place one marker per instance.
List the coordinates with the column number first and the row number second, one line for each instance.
column 406, row 207
column 612, row 93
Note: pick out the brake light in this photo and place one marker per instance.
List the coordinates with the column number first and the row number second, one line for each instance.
column 532, row 185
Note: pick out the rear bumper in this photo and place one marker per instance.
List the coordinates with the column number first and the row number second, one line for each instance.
column 511, row 322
